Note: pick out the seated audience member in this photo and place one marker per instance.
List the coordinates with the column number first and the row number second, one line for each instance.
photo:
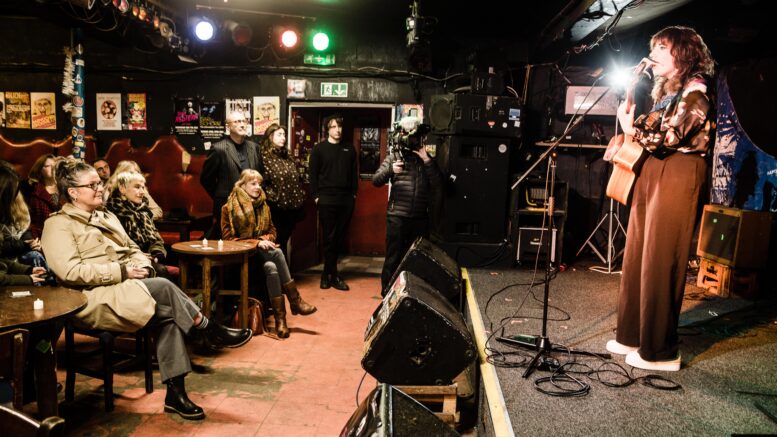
column 40, row 192
column 12, row 272
column 246, row 216
column 129, row 202
column 127, row 165
column 16, row 241
column 89, row 250
column 103, row 169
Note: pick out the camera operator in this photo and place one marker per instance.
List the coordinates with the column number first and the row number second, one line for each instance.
column 413, row 176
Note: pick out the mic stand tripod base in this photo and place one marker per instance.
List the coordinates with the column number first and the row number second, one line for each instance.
column 543, row 345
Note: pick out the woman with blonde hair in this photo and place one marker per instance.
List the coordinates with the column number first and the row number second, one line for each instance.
column 129, row 202
column 112, row 185
column 246, row 216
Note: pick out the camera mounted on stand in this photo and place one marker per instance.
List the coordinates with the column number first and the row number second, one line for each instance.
column 407, row 136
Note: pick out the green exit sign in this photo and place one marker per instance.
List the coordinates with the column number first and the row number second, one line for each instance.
column 319, row 59
column 334, row 89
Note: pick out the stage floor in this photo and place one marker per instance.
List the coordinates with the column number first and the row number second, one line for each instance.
column 727, row 381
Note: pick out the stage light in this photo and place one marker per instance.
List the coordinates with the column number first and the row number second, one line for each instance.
column 320, row 41
column 241, row 32
column 204, row 30
column 121, row 5
column 142, row 13
column 135, row 9
column 289, row 38
column 165, row 28
column 156, row 22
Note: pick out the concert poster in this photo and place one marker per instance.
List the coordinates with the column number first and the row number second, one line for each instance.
column 187, row 116
column 212, row 120
column 266, row 112
column 240, row 105
column 108, row 106
column 136, row 111
column 17, row 109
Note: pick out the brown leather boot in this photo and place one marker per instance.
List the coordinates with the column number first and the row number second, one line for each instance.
column 279, row 308
column 297, row 305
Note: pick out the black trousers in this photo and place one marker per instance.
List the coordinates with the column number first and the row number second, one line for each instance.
column 284, row 221
column 658, row 241
column 400, row 234
column 334, row 222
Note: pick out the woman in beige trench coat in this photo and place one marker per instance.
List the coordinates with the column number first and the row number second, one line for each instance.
column 88, row 249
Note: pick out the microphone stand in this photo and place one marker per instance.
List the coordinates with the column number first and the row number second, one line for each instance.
column 542, row 344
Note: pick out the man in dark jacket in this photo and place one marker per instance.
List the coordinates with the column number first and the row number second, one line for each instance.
column 225, row 161
column 414, row 177
column 333, row 184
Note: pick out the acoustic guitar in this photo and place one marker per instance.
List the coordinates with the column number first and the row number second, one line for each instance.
column 627, row 163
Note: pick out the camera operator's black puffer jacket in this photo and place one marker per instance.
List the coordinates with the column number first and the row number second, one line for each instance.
column 411, row 190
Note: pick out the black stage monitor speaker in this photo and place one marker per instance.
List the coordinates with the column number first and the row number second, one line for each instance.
column 734, row 237
column 434, row 266
column 388, row 412
column 475, row 114
column 473, row 204
column 416, row 337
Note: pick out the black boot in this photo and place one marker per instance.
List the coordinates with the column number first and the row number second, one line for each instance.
column 324, row 281
column 339, row 284
column 176, row 400
column 221, row 336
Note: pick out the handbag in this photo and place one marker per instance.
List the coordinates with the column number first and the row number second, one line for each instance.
column 254, row 314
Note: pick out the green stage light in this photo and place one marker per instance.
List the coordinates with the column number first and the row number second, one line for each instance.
column 320, row 41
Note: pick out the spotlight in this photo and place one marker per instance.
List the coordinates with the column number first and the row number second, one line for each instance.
column 241, row 32
column 142, row 13
column 156, row 22
column 320, row 41
column 165, row 28
column 135, row 9
column 121, row 5
column 289, row 39
column 204, row 30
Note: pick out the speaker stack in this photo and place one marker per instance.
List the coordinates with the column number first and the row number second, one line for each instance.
column 474, row 134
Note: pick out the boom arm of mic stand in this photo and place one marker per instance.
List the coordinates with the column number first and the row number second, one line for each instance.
column 545, row 154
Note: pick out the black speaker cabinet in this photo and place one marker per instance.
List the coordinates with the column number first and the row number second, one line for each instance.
column 734, row 237
column 473, row 204
column 388, row 412
column 476, row 114
column 434, row 266
column 416, row 337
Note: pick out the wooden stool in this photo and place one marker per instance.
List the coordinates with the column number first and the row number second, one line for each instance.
column 441, row 399
column 723, row 280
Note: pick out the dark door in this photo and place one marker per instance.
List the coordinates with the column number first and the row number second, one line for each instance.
column 367, row 130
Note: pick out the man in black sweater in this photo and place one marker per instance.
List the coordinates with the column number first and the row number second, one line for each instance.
column 414, row 177
column 225, row 161
column 333, row 184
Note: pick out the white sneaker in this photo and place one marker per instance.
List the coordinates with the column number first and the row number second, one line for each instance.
column 620, row 349
column 633, row 359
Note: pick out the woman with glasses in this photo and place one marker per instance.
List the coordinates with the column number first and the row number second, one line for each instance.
column 89, row 250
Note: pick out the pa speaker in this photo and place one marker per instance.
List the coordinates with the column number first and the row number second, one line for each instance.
column 734, row 237
column 434, row 266
column 472, row 207
column 387, row 412
column 416, row 336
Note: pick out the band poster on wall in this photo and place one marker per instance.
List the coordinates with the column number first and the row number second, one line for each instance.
column 17, row 110
column 212, row 120
column 108, row 106
column 2, row 109
column 369, row 151
column 43, row 115
column 240, row 105
column 187, row 116
column 266, row 112
column 136, row 111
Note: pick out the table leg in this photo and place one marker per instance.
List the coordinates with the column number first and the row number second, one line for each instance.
column 183, row 266
column 45, row 369
column 244, row 292
column 206, row 266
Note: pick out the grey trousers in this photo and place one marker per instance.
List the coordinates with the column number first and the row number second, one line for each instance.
column 275, row 270
column 173, row 318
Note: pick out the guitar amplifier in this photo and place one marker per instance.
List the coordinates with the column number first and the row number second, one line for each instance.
column 475, row 114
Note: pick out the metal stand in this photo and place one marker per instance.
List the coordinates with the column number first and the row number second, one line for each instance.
column 613, row 227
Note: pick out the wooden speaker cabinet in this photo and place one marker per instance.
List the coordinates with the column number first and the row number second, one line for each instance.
column 734, row 237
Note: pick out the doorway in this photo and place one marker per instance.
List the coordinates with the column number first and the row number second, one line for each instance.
column 366, row 126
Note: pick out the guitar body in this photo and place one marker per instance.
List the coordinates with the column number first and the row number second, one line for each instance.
column 627, row 163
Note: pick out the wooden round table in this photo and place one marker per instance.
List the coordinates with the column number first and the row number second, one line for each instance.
column 233, row 252
column 45, row 326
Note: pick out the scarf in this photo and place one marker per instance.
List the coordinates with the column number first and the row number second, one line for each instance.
column 248, row 218
column 137, row 219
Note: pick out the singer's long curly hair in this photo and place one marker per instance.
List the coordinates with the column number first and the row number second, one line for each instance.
column 691, row 57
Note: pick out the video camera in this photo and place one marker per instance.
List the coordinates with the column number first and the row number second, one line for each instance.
column 408, row 135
